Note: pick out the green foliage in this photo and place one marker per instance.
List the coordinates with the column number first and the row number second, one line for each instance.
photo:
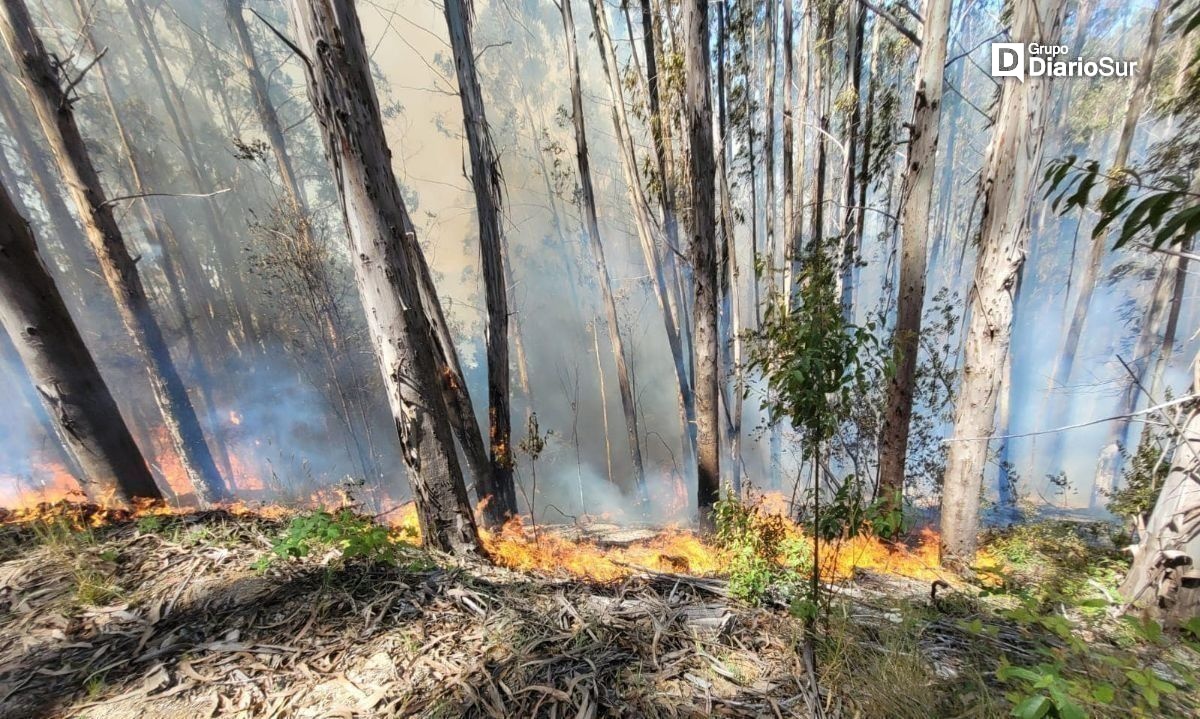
column 1143, row 479
column 813, row 359
column 353, row 535
column 1072, row 678
column 1164, row 209
column 1053, row 562
column 764, row 550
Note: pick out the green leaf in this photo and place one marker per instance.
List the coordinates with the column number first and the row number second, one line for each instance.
column 1104, row 693
column 1034, row 707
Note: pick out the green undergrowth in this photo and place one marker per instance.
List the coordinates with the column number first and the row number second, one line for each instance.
column 1039, row 636
column 345, row 534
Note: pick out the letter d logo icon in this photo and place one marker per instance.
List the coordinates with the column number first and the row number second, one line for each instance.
column 1008, row 60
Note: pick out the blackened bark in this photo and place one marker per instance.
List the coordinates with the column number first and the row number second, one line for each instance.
column 487, row 181
column 698, row 109
column 82, row 411
column 120, row 272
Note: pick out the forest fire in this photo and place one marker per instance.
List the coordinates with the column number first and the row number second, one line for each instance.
column 521, row 546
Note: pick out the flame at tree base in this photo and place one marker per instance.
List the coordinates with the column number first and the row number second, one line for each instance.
column 549, row 550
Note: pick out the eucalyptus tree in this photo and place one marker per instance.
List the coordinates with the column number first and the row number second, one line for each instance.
column 43, row 83
column 488, row 184
column 80, row 408
column 916, row 195
column 386, row 261
column 1007, row 186
column 592, row 227
column 698, row 110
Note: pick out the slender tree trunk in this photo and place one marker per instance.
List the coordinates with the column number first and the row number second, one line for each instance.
column 178, row 274
column 62, row 227
column 603, row 397
column 180, row 120
column 642, row 221
column 851, row 240
column 597, row 246
column 261, row 96
column 486, row 178
column 18, row 377
column 657, row 129
column 698, row 109
column 1172, row 325
column 916, row 194
column 1009, row 182
column 1064, row 362
column 329, row 39
column 119, row 270
column 84, row 415
column 455, row 393
column 820, row 65
column 1169, row 539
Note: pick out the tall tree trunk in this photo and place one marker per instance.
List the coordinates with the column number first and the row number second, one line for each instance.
column 851, row 240
column 120, row 272
column 1064, row 362
column 698, row 110
column 655, row 264
column 658, row 129
column 1169, row 539
column 594, row 324
column 175, row 262
column 597, row 246
column 337, row 67
column 260, row 94
column 486, row 179
column 1008, row 185
column 820, row 66
column 180, row 120
column 18, row 377
column 62, row 226
column 731, row 310
column 84, row 415
column 916, row 193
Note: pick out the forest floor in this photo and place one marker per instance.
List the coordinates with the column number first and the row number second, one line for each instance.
column 106, row 615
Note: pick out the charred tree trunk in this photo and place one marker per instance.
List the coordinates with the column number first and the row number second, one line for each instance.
column 120, row 272
column 84, row 416
column 486, row 179
column 916, row 194
column 698, row 110
column 1008, row 185
column 330, row 42
column 597, row 246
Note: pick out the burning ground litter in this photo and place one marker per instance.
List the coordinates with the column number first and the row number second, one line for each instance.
column 157, row 612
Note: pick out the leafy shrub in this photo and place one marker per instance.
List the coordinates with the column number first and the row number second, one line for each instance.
column 1073, row 678
column 765, row 551
column 353, row 535
column 1143, row 478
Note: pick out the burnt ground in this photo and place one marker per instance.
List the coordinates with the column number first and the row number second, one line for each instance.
column 167, row 616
